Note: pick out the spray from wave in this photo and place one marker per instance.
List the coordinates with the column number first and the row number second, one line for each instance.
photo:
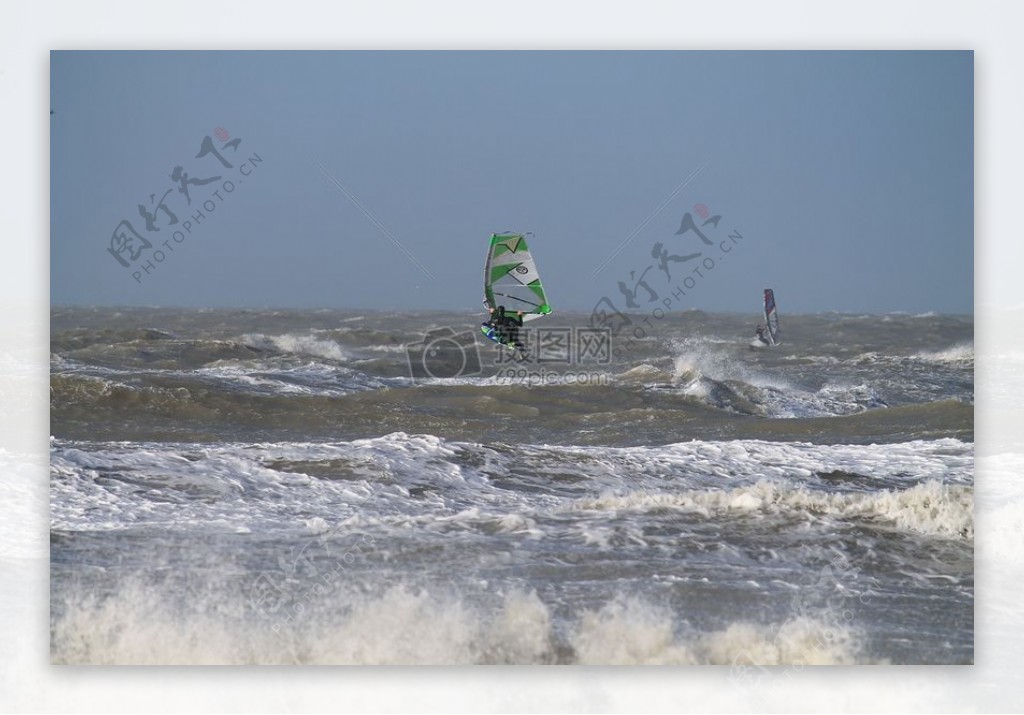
column 930, row 508
column 714, row 376
column 962, row 353
column 297, row 345
column 141, row 623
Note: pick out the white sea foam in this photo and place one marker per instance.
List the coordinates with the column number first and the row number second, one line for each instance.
column 141, row 623
column 423, row 494
column 387, row 349
column 700, row 368
column 645, row 373
column 959, row 354
column 632, row 631
column 699, row 357
column 242, row 486
column 298, row 344
column 929, row 508
column 312, row 378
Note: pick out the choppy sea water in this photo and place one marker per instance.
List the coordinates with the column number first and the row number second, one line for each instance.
column 335, row 487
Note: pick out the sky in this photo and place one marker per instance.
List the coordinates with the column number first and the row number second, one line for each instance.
column 373, row 180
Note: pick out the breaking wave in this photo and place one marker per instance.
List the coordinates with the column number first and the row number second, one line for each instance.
column 930, row 508
column 142, row 624
column 962, row 353
column 298, row 345
column 922, row 487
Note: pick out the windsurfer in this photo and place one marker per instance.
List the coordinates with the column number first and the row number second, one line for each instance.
column 507, row 325
column 761, row 335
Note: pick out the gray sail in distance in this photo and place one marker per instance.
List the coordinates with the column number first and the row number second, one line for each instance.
column 771, row 316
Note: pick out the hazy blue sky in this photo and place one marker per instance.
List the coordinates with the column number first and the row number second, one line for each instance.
column 849, row 176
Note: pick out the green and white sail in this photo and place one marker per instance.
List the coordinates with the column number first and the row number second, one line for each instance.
column 511, row 278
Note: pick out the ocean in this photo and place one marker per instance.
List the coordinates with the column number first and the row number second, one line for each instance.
column 335, row 487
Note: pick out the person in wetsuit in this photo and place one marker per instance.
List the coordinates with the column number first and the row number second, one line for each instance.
column 761, row 335
column 507, row 325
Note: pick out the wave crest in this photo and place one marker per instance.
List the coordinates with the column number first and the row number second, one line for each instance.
column 930, row 508
column 141, row 623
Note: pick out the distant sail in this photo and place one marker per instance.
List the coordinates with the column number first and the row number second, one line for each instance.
column 771, row 316
column 511, row 278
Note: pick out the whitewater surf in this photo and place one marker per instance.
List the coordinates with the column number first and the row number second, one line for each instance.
column 282, row 487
